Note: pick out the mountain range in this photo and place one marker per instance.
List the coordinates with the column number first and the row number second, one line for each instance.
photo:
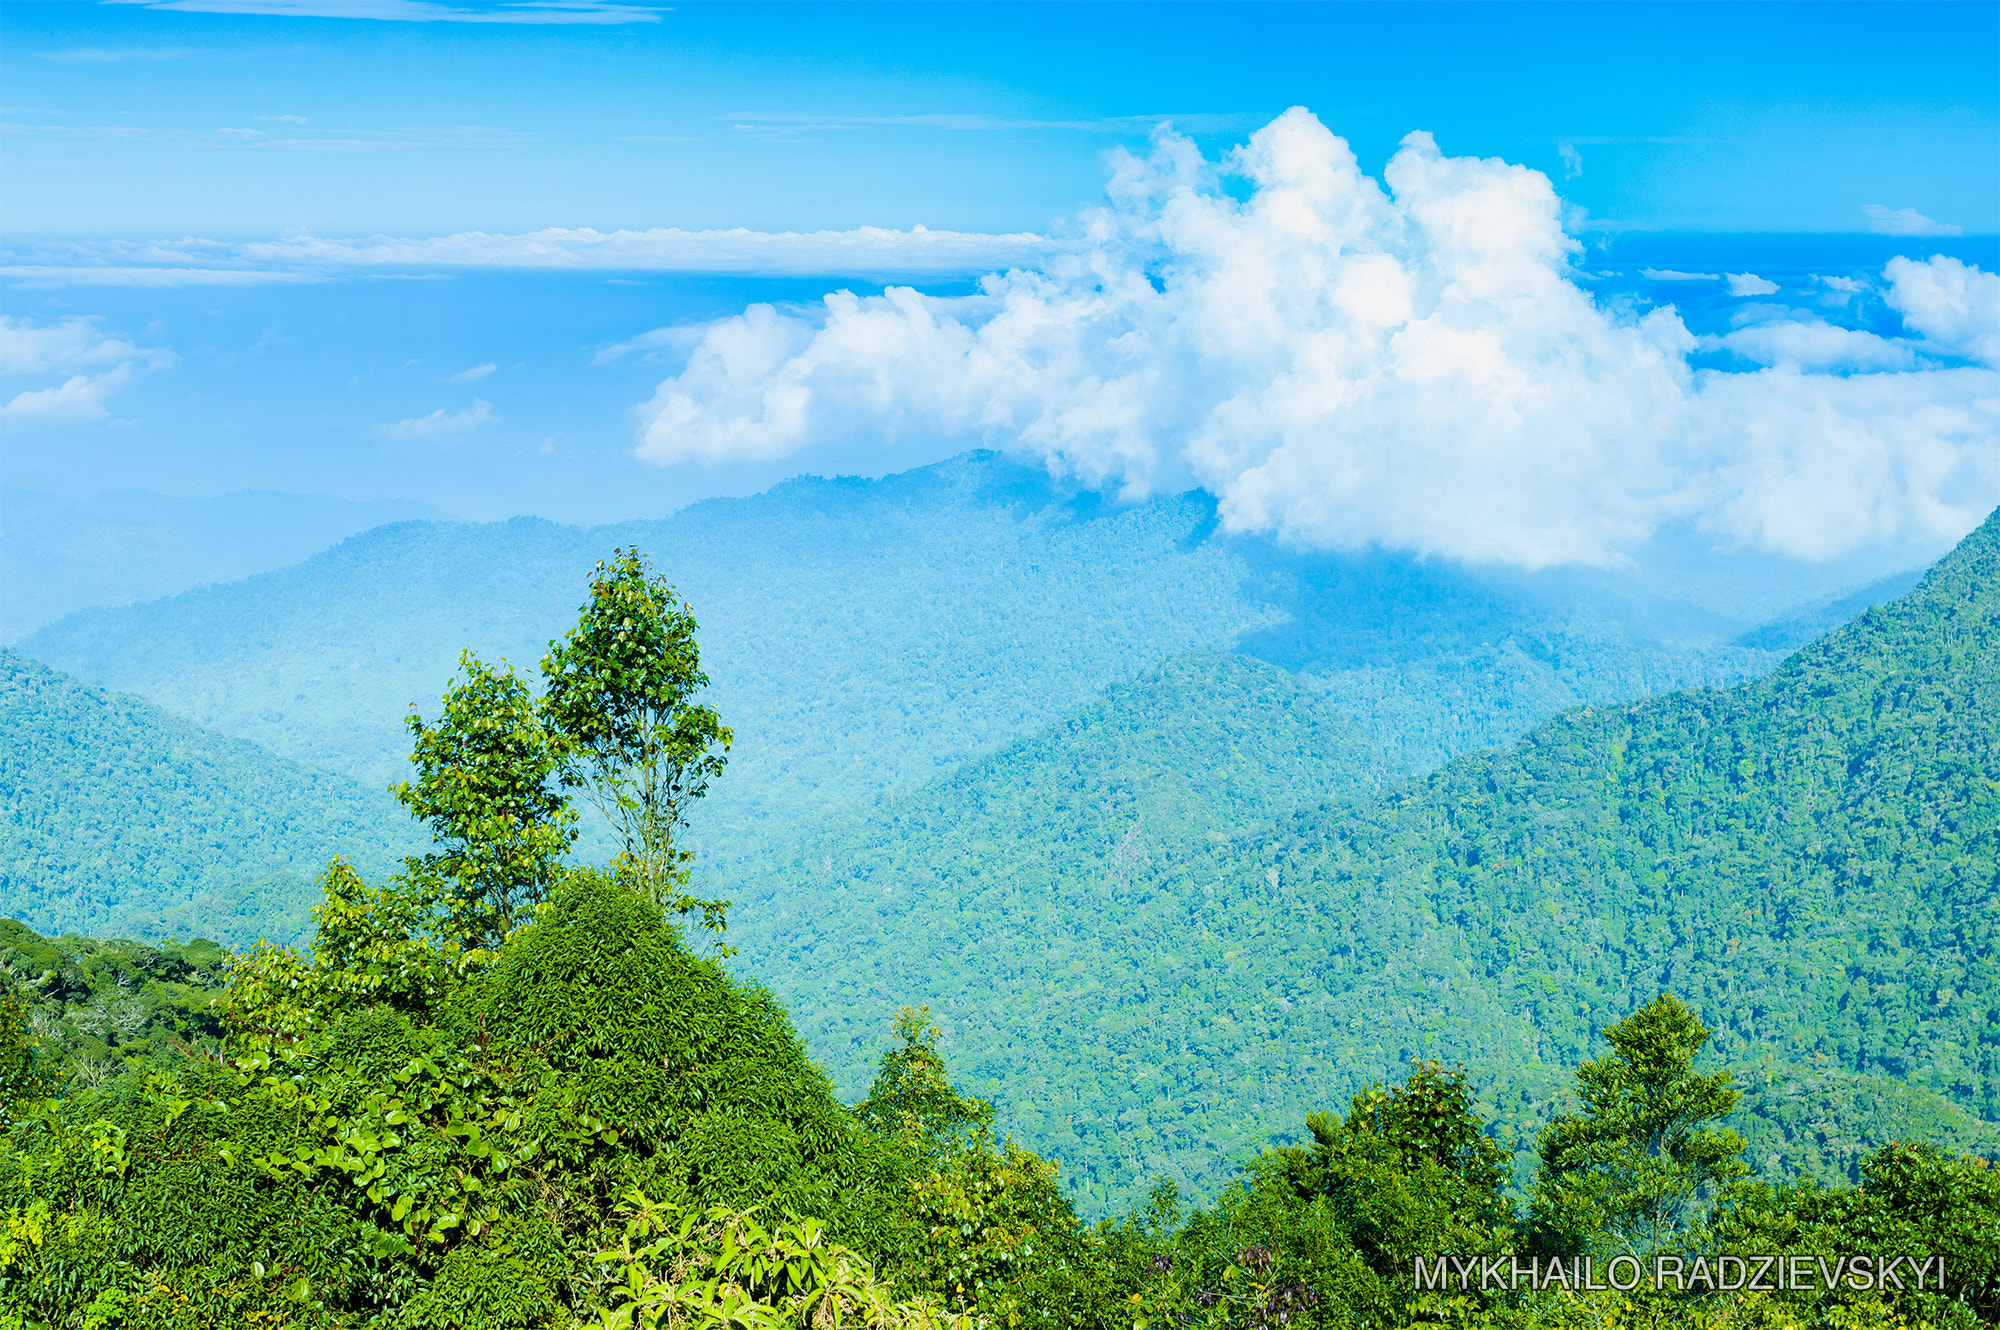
column 865, row 636
column 1178, row 834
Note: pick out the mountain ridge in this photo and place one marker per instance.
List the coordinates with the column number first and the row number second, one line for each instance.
column 122, row 819
column 1808, row 857
column 867, row 635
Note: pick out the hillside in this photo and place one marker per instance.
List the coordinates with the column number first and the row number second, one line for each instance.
column 867, row 636
column 1809, row 858
column 123, row 820
column 59, row 554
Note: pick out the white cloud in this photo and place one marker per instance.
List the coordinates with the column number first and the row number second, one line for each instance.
column 1846, row 285
column 88, row 365
column 77, row 398
column 1815, row 465
column 866, row 251
column 475, row 374
column 419, row 11
column 1572, row 160
column 1346, row 365
column 27, row 348
column 1750, row 284
column 1904, row 222
column 661, row 343
column 1675, row 275
column 441, row 424
column 1953, row 304
column 1818, row 346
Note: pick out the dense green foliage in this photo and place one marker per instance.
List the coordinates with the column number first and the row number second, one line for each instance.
column 485, row 785
column 592, row 1125
column 1633, row 1169
column 558, row 1114
column 86, row 1008
column 430, row 1141
column 121, row 818
column 1810, row 858
column 1018, row 897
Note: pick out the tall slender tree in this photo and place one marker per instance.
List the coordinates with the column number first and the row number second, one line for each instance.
column 621, row 690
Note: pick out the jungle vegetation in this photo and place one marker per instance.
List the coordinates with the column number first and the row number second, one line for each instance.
column 504, row 1091
column 117, row 817
column 1188, row 898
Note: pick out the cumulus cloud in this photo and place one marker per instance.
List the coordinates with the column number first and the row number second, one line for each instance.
column 77, row 398
column 1347, row 362
column 1676, row 275
column 1750, row 284
column 86, row 364
column 441, row 424
column 1953, row 304
column 1904, row 222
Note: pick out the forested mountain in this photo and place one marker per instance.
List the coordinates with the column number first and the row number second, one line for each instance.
column 59, row 554
column 121, row 818
column 866, row 636
column 1811, row 857
column 1163, row 930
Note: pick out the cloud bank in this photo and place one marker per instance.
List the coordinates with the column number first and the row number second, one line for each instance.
column 1406, row 363
column 865, row 251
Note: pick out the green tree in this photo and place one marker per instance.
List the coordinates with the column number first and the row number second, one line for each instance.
column 1913, row 1200
column 621, row 688
column 24, row 1071
column 1411, row 1172
column 486, row 785
column 984, row 1224
column 912, row 1100
column 1636, row 1168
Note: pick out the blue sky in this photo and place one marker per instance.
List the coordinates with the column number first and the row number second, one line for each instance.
column 403, row 248
column 132, row 119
